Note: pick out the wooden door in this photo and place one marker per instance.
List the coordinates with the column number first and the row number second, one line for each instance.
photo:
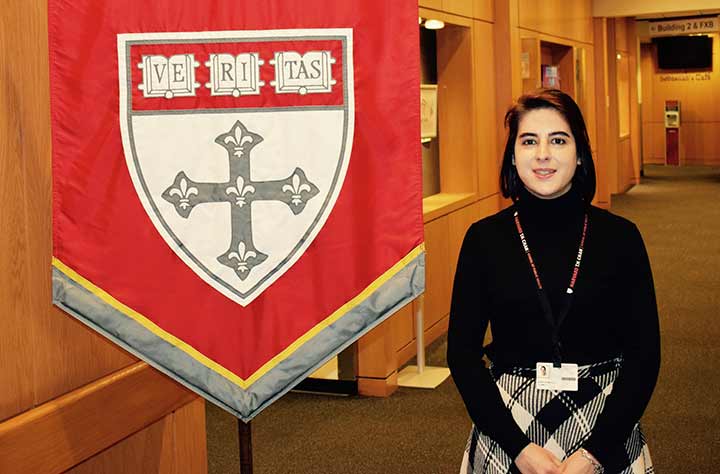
column 70, row 401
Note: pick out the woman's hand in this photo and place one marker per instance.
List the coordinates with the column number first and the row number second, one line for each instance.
column 577, row 464
column 536, row 460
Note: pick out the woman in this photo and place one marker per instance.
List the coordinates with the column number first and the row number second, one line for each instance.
column 567, row 291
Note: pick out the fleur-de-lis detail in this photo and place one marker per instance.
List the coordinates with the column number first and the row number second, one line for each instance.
column 184, row 192
column 240, row 190
column 239, row 140
column 242, row 256
column 296, row 189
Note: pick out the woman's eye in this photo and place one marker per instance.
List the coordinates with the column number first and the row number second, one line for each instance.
column 558, row 141
column 528, row 141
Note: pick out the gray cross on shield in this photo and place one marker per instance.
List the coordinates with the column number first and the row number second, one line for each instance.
column 240, row 191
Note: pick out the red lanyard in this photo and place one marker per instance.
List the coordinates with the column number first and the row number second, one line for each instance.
column 555, row 323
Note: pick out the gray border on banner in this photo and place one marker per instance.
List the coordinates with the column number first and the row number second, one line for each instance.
column 406, row 285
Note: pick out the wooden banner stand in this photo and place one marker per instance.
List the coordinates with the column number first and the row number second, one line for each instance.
column 245, row 444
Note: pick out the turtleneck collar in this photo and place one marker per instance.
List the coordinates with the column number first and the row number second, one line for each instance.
column 567, row 208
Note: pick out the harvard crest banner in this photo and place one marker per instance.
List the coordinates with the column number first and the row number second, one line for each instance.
column 236, row 185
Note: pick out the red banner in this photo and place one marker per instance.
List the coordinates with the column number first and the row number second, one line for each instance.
column 237, row 189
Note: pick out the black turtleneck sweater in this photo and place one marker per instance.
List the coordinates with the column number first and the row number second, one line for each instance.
column 614, row 312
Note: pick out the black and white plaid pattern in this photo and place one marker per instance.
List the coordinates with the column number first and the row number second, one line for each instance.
column 559, row 421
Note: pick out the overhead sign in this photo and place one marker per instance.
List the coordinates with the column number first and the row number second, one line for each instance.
column 222, row 207
column 684, row 27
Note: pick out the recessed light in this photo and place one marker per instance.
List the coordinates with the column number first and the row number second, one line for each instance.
column 433, row 24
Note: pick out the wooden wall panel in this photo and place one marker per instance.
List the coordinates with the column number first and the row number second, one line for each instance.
column 61, row 433
column 654, row 142
column 701, row 102
column 624, row 60
column 402, row 327
column 635, row 126
column 68, row 344
column 626, row 178
column 652, row 146
column 507, row 49
column 190, row 439
column 148, row 451
column 458, row 7
column 437, row 271
column 647, row 69
column 376, row 352
column 459, row 222
column 487, row 151
column 622, row 69
column 587, row 95
column 566, row 69
column 621, row 34
column 571, row 19
column 434, row 4
column 701, row 144
column 25, row 249
column 531, row 47
column 15, row 353
column 173, row 445
column 602, row 146
column 613, row 130
column 16, row 239
column 455, row 109
column 483, row 10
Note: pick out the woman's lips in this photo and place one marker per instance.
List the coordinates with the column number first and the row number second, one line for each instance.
column 544, row 173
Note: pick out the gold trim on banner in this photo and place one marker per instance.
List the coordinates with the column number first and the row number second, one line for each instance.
column 211, row 364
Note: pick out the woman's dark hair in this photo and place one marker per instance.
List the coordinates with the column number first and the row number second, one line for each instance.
column 584, row 179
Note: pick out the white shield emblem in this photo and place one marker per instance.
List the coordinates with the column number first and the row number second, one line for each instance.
column 237, row 143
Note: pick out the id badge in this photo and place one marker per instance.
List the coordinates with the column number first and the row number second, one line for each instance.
column 563, row 378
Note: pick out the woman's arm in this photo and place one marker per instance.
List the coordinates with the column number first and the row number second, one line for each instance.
column 640, row 337
column 468, row 323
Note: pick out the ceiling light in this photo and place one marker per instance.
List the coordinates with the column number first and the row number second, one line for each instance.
column 433, row 24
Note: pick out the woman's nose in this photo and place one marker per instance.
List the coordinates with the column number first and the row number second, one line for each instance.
column 543, row 150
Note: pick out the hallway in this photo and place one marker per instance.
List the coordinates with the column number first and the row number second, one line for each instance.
column 676, row 212
column 423, row 432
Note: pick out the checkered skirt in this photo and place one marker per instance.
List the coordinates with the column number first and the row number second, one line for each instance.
column 559, row 421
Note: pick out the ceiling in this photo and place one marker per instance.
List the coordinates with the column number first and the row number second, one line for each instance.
column 683, row 14
column 647, row 9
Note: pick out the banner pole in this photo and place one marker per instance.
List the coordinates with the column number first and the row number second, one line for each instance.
column 420, row 333
column 245, row 444
column 420, row 375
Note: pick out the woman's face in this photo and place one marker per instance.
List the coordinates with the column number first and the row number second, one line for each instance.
column 545, row 154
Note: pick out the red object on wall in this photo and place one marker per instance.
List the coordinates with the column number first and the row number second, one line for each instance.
column 308, row 230
column 672, row 139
